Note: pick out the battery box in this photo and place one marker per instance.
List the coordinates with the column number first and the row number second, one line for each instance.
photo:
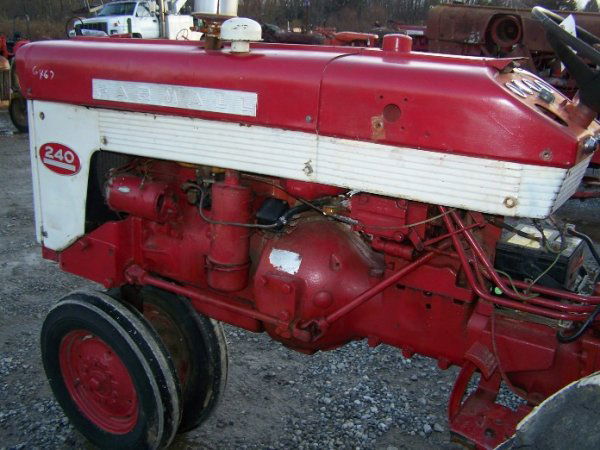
column 525, row 259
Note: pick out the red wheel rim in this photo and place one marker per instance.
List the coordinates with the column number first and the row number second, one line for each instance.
column 98, row 382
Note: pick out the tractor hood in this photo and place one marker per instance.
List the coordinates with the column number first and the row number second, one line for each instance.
column 443, row 103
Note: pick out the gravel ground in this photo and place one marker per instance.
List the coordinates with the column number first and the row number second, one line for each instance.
column 354, row 397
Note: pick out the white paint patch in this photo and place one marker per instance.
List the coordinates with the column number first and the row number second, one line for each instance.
column 286, row 261
column 173, row 96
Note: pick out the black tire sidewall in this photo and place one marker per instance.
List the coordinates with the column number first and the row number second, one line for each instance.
column 23, row 127
column 208, row 364
column 92, row 314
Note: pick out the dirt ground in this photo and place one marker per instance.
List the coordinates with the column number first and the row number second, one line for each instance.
column 355, row 397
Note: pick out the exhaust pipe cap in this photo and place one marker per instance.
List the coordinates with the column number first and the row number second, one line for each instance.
column 241, row 31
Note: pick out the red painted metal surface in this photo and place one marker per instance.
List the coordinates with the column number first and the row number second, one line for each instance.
column 141, row 198
column 352, row 38
column 411, row 275
column 309, row 191
column 586, row 194
column 98, row 382
column 443, row 101
column 74, row 63
column 229, row 257
column 474, row 417
column 436, row 301
column 452, row 117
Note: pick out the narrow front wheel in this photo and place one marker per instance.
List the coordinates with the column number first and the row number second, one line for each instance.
column 110, row 372
column 197, row 347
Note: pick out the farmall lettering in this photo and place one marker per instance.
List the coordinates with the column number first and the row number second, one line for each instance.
column 182, row 97
column 273, row 189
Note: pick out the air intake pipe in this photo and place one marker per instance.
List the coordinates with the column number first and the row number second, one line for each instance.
column 228, row 261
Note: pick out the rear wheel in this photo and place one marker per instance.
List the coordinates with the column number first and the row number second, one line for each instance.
column 17, row 109
column 197, row 347
column 110, row 372
column 567, row 419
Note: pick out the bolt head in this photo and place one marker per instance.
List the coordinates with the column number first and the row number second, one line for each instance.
column 510, row 202
column 589, row 145
column 546, row 95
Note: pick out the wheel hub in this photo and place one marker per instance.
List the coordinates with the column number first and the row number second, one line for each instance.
column 98, row 382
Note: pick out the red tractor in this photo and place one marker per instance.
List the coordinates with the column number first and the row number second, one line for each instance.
column 321, row 195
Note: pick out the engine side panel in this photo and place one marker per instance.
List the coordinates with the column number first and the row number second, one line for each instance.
column 60, row 198
column 404, row 172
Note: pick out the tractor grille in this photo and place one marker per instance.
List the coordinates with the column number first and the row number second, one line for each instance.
column 100, row 26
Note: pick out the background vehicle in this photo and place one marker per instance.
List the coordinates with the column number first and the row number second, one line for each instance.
column 121, row 17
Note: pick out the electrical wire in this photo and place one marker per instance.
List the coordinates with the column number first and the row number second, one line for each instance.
column 344, row 219
column 538, row 226
column 409, row 225
column 526, row 295
column 233, row 224
column 573, row 337
column 515, row 230
column 588, row 241
column 514, row 288
column 295, row 197
column 548, row 269
column 560, row 336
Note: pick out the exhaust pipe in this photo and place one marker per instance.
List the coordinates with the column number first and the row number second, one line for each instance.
column 216, row 7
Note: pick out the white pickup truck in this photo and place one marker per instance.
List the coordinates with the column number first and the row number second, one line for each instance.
column 121, row 17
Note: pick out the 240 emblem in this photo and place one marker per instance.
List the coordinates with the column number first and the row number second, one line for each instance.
column 60, row 159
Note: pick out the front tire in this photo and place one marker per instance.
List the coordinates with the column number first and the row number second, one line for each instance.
column 197, row 347
column 110, row 373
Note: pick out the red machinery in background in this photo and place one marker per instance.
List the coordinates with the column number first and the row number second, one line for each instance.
column 318, row 194
column 9, row 83
column 319, row 36
column 504, row 32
